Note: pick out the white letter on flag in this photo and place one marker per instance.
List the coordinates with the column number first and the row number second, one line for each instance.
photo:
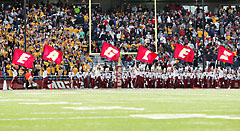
column 110, row 52
column 184, row 52
column 225, row 55
column 23, row 58
column 146, row 54
column 53, row 55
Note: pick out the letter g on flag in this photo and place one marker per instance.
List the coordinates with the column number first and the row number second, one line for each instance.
column 110, row 52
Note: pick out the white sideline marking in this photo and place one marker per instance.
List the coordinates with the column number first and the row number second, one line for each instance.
column 47, row 93
column 103, row 108
column 177, row 116
column 42, row 113
column 6, row 100
column 51, row 103
column 112, row 102
column 60, row 118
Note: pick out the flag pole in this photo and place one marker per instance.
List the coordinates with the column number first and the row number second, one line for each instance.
column 119, row 60
column 25, row 25
column 155, row 9
column 203, row 35
column 25, row 35
column 90, row 26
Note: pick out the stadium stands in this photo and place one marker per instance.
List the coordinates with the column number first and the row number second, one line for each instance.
column 66, row 29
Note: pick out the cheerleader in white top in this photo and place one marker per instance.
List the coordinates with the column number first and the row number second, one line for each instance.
column 175, row 78
column 192, row 78
column 220, row 80
column 199, row 79
column 185, row 78
column 164, row 78
column 169, row 75
column 79, row 79
column 15, row 77
column 229, row 79
column 71, row 75
column 159, row 75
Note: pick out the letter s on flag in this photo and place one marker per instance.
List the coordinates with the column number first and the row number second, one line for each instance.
column 23, row 58
column 110, row 52
column 52, row 54
column 184, row 53
column 225, row 55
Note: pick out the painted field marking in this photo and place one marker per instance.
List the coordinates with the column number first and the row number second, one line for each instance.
column 48, row 113
column 103, row 108
column 53, row 93
column 51, row 103
column 61, row 118
column 177, row 116
column 7, row 100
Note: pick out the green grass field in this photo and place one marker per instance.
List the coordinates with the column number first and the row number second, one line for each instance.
column 120, row 109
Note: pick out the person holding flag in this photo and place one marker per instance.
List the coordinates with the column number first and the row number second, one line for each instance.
column 15, row 77
column 45, row 81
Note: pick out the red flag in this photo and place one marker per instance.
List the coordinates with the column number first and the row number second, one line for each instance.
column 225, row 55
column 145, row 55
column 53, row 55
column 23, row 58
column 184, row 53
column 110, row 52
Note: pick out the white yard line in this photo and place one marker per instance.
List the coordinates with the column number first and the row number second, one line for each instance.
column 61, row 118
column 7, row 100
column 48, row 113
column 103, row 108
column 51, row 103
column 177, row 116
column 52, row 93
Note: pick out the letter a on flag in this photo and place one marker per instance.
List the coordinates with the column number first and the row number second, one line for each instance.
column 225, row 55
column 23, row 58
column 53, row 55
column 184, row 53
column 145, row 55
column 110, row 52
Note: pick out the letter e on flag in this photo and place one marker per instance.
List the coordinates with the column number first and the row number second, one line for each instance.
column 52, row 54
column 23, row 58
column 184, row 53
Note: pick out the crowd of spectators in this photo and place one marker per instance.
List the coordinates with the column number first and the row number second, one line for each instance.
column 66, row 28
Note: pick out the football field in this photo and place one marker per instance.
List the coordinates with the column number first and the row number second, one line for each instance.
column 120, row 110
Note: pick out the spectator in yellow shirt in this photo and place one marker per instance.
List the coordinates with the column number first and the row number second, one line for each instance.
column 49, row 70
column 75, row 70
column 52, row 70
column 86, row 67
column 200, row 33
